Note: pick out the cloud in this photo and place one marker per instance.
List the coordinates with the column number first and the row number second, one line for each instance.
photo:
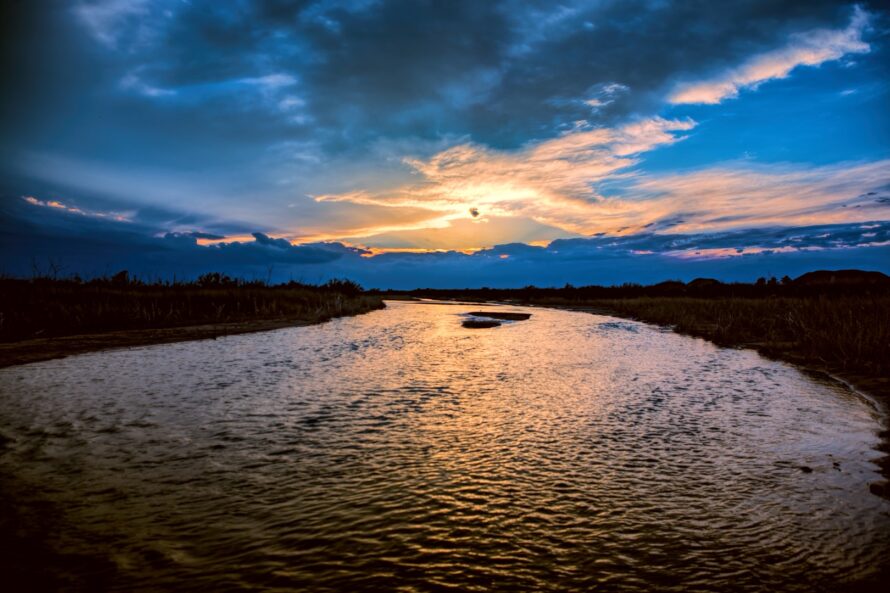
column 140, row 188
column 465, row 235
column 498, row 71
column 56, row 204
column 744, row 194
column 552, row 181
column 105, row 19
column 804, row 49
column 263, row 250
column 641, row 257
column 271, row 90
column 200, row 235
column 132, row 82
column 94, row 245
column 557, row 184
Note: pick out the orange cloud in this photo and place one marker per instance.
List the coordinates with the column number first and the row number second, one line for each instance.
column 745, row 195
column 554, row 184
column 228, row 239
column 804, row 49
column 466, row 234
column 118, row 216
column 551, row 182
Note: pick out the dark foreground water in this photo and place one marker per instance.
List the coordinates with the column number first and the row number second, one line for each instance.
column 398, row 451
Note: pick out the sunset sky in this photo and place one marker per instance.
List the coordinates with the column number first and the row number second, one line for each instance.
column 446, row 143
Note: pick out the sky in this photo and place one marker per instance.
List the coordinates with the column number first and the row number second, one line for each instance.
column 448, row 143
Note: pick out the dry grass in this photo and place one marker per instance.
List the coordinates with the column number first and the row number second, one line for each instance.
column 842, row 332
column 47, row 308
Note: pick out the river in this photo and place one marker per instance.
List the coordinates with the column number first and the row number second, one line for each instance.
column 398, row 450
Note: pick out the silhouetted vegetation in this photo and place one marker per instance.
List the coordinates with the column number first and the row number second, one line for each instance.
column 849, row 333
column 47, row 307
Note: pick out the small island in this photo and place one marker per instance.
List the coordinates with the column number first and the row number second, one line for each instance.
column 485, row 319
column 504, row 315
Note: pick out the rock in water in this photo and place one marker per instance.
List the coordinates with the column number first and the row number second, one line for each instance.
column 480, row 323
column 506, row 315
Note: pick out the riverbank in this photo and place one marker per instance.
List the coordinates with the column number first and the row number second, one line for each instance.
column 36, row 350
column 848, row 336
column 44, row 319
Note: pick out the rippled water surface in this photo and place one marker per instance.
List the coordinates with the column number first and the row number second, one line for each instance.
column 400, row 451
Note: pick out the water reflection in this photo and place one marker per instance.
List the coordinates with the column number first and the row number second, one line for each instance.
column 399, row 450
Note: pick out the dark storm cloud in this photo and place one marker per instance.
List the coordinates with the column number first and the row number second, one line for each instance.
column 92, row 243
column 643, row 258
column 811, row 237
column 501, row 72
column 510, row 71
column 196, row 235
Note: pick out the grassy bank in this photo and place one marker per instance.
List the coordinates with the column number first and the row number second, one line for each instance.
column 44, row 318
column 850, row 334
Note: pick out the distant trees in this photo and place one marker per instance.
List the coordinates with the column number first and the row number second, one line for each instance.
column 216, row 280
column 344, row 286
column 123, row 280
column 812, row 284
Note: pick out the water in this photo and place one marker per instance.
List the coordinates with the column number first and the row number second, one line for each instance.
column 398, row 451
